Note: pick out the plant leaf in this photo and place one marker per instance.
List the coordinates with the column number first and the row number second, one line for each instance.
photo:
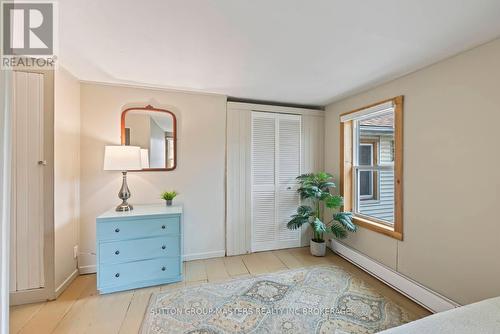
column 323, row 176
column 315, row 185
column 345, row 219
column 305, row 210
column 318, row 226
column 334, row 202
column 324, row 195
column 338, row 231
column 296, row 222
column 169, row 195
column 301, row 217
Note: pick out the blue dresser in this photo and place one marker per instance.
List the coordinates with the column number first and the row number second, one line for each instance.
column 139, row 248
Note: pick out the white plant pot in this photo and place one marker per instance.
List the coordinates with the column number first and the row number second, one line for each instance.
column 318, row 248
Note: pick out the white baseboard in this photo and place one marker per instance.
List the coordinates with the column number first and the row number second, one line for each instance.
column 30, row 296
column 66, row 283
column 206, row 255
column 429, row 299
column 38, row 295
column 91, row 269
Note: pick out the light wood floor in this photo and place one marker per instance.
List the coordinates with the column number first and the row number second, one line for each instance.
column 80, row 309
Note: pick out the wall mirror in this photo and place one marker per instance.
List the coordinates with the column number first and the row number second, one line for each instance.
column 154, row 130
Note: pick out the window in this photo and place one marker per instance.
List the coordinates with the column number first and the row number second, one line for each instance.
column 371, row 169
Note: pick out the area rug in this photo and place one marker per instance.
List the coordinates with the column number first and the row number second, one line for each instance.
column 322, row 299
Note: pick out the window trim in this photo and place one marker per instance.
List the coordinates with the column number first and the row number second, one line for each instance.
column 346, row 170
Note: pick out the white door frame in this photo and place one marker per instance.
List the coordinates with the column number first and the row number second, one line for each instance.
column 238, row 183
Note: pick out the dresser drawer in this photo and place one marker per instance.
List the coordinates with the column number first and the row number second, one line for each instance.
column 133, row 250
column 137, row 228
column 139, row 271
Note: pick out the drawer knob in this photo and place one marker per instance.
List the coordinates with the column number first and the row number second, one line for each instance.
column 163, row 226
column 117, row 252
column 117, row 230
column 163, row 268
column 117, row 275
column 163, row 247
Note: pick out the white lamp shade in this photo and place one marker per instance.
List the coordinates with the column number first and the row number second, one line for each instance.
column 144, row 158
column 122, row 158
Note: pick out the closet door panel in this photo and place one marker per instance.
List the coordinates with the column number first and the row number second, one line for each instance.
column 263, row 150
column 20, row 165
column 27, row 200
column 35, row 182
column 263, row 220
column 276, row 162
column 263, row 180
column 288, row 201
column 289, row 158
column 289, row 149
column 238, row 187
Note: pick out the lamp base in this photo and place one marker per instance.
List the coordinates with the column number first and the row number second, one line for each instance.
column 124, row 207
column 124, row 195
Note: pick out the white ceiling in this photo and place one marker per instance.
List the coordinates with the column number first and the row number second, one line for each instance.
column 295, row 51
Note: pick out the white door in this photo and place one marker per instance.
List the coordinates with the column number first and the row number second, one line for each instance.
column 275, row 163
column 289, row 162
column 27, row 211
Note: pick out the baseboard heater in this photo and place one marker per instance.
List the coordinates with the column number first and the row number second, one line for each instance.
column 423, row 296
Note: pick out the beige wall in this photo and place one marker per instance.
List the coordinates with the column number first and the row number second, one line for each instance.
column 199, row 177
column 451, row 175
column 66, row 173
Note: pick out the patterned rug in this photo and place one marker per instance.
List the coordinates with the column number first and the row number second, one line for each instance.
column 324, row 299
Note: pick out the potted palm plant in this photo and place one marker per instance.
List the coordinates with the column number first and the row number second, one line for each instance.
column 169, row 196
column 314, row 190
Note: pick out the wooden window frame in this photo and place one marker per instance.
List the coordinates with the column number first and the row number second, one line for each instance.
column 346, row 171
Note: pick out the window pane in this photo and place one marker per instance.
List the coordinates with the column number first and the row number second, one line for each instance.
column 376, row 148
column 365, row 183
column 376, row 140
column 365, row 155
column 383, row 207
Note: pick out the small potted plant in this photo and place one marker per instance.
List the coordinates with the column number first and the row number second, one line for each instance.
column 315, row 190
column 169, row 196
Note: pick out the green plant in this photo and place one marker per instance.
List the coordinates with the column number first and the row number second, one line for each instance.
column 315, row 190
column 169, row 195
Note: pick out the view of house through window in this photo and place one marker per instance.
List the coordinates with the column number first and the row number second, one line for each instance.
column 374, row 195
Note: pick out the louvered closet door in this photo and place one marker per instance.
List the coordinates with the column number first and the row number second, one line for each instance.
column 287, row 170
column 263, row 180
column 275, row 165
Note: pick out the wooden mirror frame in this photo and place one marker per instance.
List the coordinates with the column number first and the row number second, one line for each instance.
column 151, row 108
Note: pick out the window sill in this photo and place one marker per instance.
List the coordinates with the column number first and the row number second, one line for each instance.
column 377, row 227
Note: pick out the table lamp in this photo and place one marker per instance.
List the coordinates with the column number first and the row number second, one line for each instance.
column 123, row 158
